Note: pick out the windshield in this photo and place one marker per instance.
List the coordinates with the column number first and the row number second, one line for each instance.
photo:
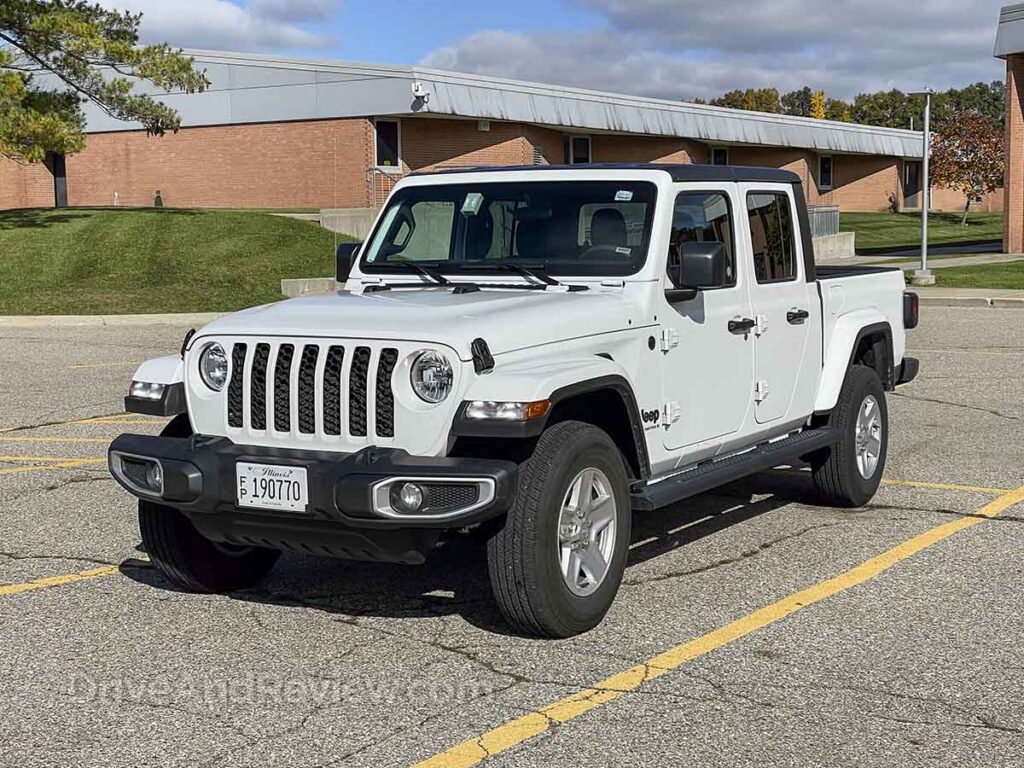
column 563, row 227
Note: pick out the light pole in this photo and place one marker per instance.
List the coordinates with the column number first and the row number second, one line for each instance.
column 924, row 276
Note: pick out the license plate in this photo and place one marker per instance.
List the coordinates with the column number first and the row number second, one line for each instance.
column 269, row 486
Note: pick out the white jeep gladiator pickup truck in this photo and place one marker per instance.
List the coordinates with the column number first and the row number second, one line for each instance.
column 536, row 353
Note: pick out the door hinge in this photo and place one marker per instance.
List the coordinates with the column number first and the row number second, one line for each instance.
column 669, row 339
column 760, row 325
column 760, row 392
column 670, row 413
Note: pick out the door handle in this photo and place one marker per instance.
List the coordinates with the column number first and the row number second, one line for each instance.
column 797, row 316
column 743, row 326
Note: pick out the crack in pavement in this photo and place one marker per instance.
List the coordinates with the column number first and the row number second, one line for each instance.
column 744, row 555
column 942, row 511
column 938, row 401
column 67, row 558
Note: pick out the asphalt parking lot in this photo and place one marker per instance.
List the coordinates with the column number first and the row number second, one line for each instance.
column 754, row 628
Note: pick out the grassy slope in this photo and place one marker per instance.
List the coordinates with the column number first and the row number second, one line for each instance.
column 97, row 261
column 1008, row 276
column 903, row 230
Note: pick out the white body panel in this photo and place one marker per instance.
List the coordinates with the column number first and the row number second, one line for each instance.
column 544, row 340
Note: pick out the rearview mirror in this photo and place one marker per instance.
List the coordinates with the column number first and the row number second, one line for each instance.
column 695, row 266
column 344, row 257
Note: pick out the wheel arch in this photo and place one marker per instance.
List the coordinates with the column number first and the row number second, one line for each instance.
column 868, row 344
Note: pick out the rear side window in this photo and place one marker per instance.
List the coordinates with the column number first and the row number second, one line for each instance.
column 704, row 217
column 771, row 236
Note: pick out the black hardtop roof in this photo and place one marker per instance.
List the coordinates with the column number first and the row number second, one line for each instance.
column 678, row 171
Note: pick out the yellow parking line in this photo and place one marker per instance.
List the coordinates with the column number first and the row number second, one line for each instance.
column 945, row 486
column 62, row 464
column 54, row 439
column 79, row 366
column 504, row 737
column 56, row 581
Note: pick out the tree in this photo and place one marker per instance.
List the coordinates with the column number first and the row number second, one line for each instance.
column 967, row 155
column 837, row 109
column 57, row 54
column 752, row 100
column 818, row 105
column 797, row 103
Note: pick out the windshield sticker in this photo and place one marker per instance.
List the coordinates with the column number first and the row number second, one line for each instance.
column 471, row 205
column 624, row 251
column 623, row 196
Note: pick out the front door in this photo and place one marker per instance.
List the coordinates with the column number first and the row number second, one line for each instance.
column 708, row 368
column 786, row 307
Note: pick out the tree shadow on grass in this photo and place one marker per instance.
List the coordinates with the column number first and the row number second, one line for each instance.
column 41, row 218
column 454, row 579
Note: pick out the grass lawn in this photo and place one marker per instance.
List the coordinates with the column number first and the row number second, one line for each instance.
column 903, row 230
column 1007, row 276
column 123, row 260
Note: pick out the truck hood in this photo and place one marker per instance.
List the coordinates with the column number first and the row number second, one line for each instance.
column 506, row 319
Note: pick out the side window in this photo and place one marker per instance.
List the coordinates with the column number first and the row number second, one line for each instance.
column 771, row 236
column 422, row 231
column 704, row 217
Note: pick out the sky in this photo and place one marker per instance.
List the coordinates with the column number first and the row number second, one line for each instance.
column 675, row 49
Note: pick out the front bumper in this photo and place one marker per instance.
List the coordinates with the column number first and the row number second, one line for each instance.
column 341, row 519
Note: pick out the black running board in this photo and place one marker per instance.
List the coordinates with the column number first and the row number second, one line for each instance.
column 711, row 474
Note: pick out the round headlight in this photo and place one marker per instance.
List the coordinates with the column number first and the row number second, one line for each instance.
column 213, row 367
column 431, row 376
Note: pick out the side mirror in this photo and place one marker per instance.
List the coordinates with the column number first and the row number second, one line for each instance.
column 343, row 260
column 695, row 266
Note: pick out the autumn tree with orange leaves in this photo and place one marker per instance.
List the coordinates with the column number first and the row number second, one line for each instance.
column 967, row 155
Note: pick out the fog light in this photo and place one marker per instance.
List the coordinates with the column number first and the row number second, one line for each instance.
column 407, row 497
column 155, row 477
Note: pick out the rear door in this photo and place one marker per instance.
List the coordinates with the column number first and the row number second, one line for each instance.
column 786, row 307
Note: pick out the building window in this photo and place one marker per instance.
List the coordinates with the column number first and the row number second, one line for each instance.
column 388, row 140
column 771, row 236
column 825, row 172
column 719, row 155
column 577, row 150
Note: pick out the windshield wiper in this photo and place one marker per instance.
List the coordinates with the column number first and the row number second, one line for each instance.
column 431, row 274
column 537, row 273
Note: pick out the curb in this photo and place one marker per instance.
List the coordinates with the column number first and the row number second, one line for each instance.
column 102, row 321
column 971, row 301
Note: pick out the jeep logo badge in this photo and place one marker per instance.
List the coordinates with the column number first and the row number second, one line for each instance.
column 650, row 417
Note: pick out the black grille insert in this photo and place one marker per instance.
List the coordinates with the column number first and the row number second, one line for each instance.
column 235, row 406
column 307, row 389
column 443, row 497
column 332, row 390
column 357, row 392
column 283, row 388
column 258, row 404
column 384, row 404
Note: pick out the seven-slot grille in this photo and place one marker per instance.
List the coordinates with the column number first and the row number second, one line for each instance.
column 312, row 389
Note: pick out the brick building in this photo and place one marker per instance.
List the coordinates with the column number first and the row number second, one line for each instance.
column 284, row 133
column 1010, row 46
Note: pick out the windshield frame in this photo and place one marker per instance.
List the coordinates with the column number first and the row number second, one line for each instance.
column 550, row 266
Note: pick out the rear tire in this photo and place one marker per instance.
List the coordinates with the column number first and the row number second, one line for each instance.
column 848, row 473
column 547, row 543
column 193, row 562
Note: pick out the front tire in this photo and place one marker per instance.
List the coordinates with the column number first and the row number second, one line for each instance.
column 848, row 473
column 557, row 563
column 193, row 562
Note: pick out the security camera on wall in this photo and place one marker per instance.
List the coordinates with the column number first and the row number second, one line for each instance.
column 419, row 91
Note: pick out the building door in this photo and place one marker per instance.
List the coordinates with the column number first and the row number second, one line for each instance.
column 60, row 181
column 911, row 184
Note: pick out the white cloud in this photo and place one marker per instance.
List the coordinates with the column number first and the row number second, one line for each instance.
column 681, row 49
column 224, row 25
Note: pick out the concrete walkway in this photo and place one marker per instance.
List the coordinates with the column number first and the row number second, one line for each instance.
column 938, row 263
column 969, row 297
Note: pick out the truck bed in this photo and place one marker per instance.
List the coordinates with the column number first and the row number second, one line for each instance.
column 854, row 270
